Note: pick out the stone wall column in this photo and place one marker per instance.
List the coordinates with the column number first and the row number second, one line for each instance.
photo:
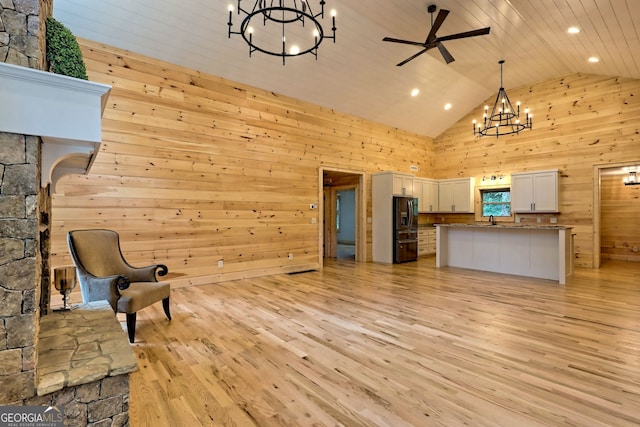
column 18, row 265
column 21, row 262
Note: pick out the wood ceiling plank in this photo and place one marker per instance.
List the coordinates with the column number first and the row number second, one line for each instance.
column 357, row 74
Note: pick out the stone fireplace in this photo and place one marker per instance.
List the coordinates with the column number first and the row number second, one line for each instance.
column 44, row 358
column 22, row 259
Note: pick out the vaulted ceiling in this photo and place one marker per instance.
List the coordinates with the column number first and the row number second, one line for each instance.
column 358, row 74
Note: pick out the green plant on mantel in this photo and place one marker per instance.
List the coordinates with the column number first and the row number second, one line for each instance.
column 63, row 52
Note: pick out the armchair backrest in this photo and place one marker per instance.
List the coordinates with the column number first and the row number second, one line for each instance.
column 97, row 252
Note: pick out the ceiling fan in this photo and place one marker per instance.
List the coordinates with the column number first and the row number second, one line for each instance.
column 435, row 41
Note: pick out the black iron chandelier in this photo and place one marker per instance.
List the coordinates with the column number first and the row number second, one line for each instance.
column 503, row 119
column 631, row 179
column 283, row 32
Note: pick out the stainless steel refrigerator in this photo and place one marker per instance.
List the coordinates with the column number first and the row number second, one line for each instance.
column 405, row 232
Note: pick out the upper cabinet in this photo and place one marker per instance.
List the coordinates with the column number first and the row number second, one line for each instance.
column 443, row 195
column 535, row 191
column 426, row 190
column 402, row 184
column 456, row 195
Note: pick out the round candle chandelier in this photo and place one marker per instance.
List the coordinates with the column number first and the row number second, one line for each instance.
column 289, row 27
column 503, row 118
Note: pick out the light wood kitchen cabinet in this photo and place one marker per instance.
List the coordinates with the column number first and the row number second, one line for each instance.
column 535, row 191
column 426, row 241
column 426, row 190
column 456, row 195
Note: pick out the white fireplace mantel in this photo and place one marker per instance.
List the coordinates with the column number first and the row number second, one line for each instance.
column 64, row 111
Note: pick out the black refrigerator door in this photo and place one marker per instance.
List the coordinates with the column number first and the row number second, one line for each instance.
column 405, row 232
column 405, row 251
column 403, row 213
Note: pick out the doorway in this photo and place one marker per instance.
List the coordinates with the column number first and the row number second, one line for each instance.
column 346, row 223
column 343, row 215
column 615, row 231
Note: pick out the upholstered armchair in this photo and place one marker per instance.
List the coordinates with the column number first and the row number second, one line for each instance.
column 104, row 274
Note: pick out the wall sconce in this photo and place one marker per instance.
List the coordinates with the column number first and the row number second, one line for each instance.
column 493, row 178
column 631, row 179
column 64, row 279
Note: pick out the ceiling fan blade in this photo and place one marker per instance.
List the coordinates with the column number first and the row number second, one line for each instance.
column 473, row 33
column 389, row 39
column 412, row 57
column 445, row 53
column 442, row 14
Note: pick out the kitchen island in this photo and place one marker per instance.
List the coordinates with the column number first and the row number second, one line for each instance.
column 543, row 251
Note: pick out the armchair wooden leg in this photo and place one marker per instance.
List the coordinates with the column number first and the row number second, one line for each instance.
column 131, row 326
column 165, row 305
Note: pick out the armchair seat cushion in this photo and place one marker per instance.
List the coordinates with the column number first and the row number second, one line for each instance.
column 141, row 294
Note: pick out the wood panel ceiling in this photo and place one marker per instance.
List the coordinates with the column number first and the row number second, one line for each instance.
column 358, row 74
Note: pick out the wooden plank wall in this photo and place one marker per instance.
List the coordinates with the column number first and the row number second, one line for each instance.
column 194, row 169
column 579, row 121
column 620, row 225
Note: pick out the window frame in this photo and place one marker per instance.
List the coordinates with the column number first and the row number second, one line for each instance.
column 479, row 203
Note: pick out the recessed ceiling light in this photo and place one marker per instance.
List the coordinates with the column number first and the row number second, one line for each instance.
column 573, row 30
column 415, row 92
column 594, row 59
column 447, row 106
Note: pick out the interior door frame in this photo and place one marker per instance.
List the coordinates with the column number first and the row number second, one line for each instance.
column 597, row 169
column 361, row 223
column 329, row 222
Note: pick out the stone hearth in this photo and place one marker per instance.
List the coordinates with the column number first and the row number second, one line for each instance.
column 84, row 362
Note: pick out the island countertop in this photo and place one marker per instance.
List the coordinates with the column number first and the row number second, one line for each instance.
column 508, row 225
column 535, row 250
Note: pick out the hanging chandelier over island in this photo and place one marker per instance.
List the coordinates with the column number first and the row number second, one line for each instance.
column 503, row 118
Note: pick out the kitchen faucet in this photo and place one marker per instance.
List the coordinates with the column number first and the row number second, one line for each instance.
column 491, row 220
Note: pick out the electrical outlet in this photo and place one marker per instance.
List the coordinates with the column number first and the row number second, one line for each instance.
column 553, row 220
column 539, row 220
column 220, row 263
column 314, row 220
column 634, row 249
column 290, row 255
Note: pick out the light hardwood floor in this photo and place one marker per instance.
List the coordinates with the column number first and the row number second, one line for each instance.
column 362, row 344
